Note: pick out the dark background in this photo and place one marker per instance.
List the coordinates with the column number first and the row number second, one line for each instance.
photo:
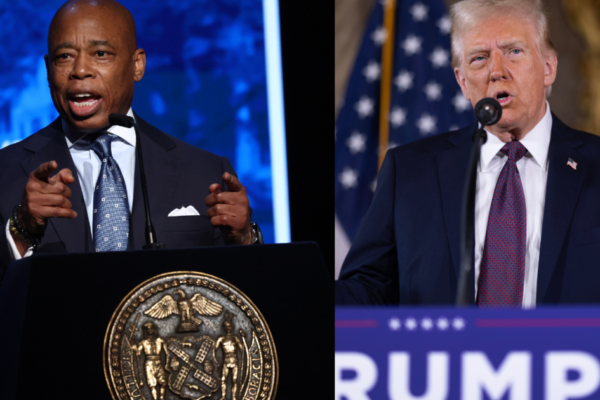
column 308, row 71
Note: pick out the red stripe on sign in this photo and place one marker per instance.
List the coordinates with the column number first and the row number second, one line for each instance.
column 364, row 323
column 539, row 323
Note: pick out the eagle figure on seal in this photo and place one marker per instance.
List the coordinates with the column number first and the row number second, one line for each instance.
column 184, row 307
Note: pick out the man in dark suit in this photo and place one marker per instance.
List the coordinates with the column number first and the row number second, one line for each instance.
column 93, row 62
column 537, row 213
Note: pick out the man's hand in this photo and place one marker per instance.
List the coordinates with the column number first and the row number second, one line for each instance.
column 230, row 209
column 46, row 197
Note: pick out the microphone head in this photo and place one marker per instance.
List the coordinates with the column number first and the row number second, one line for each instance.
column 121, row 120
column 488, row 111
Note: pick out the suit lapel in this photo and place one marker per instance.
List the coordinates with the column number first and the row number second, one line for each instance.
column 162, row 174
column 74, row 234
column 452, row 169
column 562, row 191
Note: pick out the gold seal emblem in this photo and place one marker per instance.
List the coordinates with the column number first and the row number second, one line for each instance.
column 189, row 335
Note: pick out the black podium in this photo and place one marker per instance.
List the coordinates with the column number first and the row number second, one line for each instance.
column 55, row 309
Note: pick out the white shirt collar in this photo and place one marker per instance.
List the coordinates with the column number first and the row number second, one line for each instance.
column 537, row 142
column 126, row 134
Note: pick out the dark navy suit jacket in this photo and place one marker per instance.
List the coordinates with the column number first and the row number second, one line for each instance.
column 177, row 173
column 407, row 249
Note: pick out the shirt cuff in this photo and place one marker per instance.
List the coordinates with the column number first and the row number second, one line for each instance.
column 16, row 255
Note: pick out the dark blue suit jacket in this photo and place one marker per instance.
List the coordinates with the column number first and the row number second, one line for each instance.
column 407, row 250
column 177, row 173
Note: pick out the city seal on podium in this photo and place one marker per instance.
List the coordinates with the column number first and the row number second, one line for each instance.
column 189, row 335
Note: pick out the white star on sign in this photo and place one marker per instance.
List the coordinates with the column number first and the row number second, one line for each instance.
column 433, row 91
column 419, row 12
column 460, row 102
column 404, row 80
column 444, row 24
column 364, row 107
column 379, row 35
column 412, row 45
column 394, row 324
column 397, row 117
column 442, row 324
column 427, row 323
column 356, row 142
column 410, row 324
column 348, row 178
column 458, row 323
column 372, row 71
column 426, row 124
column 439, row 57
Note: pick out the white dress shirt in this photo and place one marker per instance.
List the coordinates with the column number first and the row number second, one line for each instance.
column 533, row 170
column 88, row 165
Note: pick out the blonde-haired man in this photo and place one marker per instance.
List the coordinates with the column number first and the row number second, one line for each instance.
column 537, row 219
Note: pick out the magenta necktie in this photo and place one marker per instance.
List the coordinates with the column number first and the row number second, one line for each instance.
column 502, row 269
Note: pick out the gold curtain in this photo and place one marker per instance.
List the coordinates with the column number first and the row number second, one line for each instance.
column 584, row 18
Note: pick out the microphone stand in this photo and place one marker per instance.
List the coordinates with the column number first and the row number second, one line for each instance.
column 128, row 122
column 467, row 234
column 150, row 233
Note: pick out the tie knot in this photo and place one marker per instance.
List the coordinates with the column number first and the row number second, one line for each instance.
column 101, row 145
column 514, row 150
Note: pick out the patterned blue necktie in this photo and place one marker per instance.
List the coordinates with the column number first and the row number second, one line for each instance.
column 111, row 208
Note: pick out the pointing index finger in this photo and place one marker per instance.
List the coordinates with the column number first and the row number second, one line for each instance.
column 44, row 170
column 232, row 182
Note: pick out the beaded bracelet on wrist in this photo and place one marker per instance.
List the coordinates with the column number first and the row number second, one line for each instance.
column 33, row 241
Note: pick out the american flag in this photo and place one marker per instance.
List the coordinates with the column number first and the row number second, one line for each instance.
column 424, row 100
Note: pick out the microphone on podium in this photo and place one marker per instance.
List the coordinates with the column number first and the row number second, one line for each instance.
column 128, row 122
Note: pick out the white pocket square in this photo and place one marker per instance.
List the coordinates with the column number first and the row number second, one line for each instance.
column 183, row 211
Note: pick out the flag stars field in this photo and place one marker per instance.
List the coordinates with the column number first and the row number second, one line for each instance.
column 444, row 24
column 397, row 117
column 426, row 124
column 348, row 178
column 461, row 103
column 433, row 91
column 364, row 107
column 419, row 12
column 411, row 45
column 357, row 142
column 372, row 71
column 439, row 57
column 379, row 35
column 404, row 80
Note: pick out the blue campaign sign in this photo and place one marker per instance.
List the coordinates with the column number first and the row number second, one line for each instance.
column 467, row 354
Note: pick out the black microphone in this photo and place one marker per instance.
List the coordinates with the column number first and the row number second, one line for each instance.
column 488, row 111
column 128, row 122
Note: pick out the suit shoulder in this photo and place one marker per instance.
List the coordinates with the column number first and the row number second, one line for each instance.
column 18, row 150
column 186, row 150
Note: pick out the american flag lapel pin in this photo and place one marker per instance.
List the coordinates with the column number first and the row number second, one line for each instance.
column 572, row 164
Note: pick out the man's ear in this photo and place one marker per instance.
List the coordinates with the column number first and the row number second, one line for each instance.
column 550, row 67
column 462, row 82
column 139, row 64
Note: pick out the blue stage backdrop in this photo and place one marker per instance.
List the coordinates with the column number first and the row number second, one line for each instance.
column 205, row 83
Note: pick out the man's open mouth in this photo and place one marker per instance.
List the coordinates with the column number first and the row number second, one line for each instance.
column 503, row 97
column 84, row 104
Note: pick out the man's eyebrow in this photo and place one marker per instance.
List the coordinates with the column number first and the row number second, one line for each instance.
column 100, row 43
column 70, row 45
column 67, row 45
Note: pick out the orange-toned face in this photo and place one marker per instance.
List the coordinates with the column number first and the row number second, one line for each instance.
column 501, row 60
column 92, row 65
